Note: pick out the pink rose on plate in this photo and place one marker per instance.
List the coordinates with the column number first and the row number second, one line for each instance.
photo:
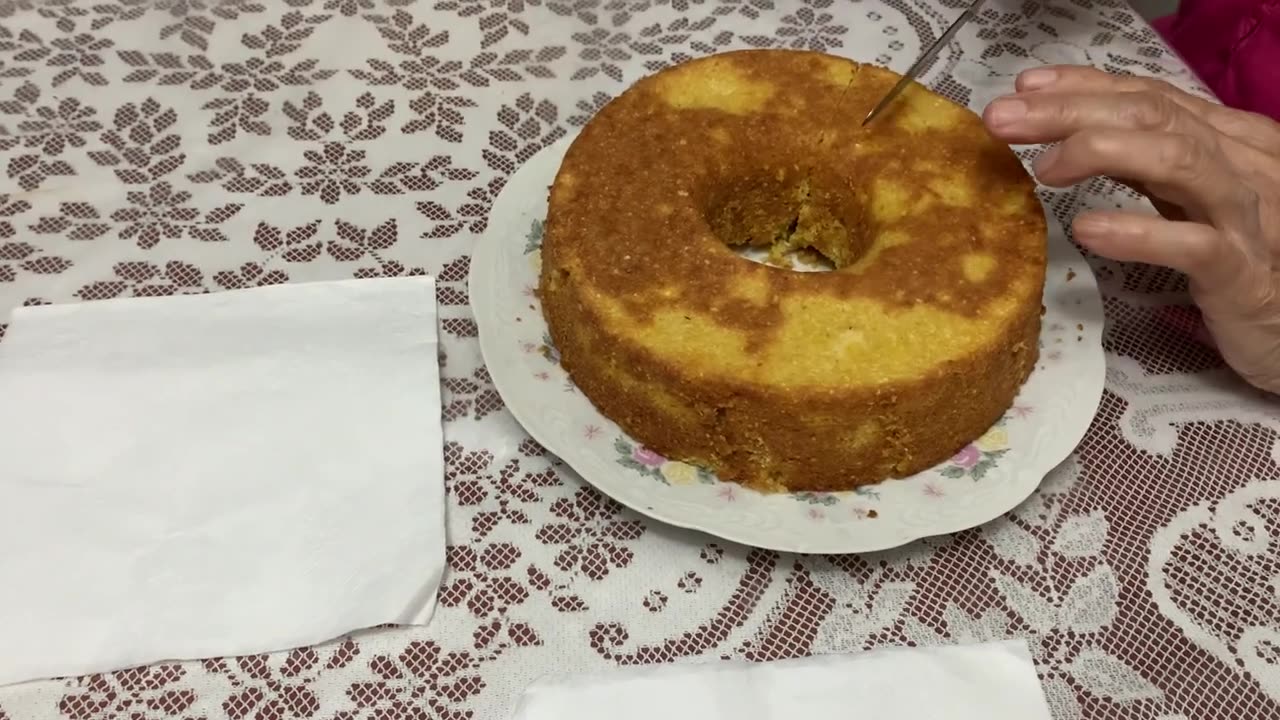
column 647, row 457
column 967, row 458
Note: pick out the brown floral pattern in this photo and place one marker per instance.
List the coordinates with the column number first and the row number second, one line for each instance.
column 156, row 147
column 156, row 691
column 279, row 686
column 51, row 128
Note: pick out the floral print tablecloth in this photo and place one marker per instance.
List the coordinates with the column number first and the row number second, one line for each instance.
column 151, row 147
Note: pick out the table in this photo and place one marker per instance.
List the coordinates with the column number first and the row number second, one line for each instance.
column 187, row 146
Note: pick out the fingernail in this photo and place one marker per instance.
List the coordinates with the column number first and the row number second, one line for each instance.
column 1037, row 79
column 1090, row 226
column 1005, row 112
column 1045, row 160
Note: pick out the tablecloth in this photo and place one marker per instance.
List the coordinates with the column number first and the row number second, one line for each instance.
column 177, row 146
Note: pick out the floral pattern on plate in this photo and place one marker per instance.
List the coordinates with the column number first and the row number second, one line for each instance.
column 979, row 457
column 640, row 459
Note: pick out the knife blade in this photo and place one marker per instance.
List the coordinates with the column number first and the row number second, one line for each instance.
column 924, row 61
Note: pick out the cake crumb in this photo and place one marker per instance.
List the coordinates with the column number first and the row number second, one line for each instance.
column 1079, row 338
column 1071, row 274
column 1080, row 327
column 873, row 514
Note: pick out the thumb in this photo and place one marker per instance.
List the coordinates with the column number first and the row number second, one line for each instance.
column 1211, row 261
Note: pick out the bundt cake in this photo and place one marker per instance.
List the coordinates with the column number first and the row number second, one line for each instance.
column 910, row 347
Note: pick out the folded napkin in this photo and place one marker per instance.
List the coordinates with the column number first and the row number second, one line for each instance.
column 219, row 474
column 994, row 681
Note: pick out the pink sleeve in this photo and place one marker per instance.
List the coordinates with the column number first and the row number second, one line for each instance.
column 1233, row 45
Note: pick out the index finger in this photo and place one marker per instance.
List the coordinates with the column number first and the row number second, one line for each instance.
column 1254, row 130
column 1052, row 116
column 1176, row 167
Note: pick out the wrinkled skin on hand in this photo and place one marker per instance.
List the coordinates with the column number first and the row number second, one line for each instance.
column 1213, row 174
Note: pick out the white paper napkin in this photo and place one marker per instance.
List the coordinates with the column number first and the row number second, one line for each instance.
column 994, row 681
column 220, row 474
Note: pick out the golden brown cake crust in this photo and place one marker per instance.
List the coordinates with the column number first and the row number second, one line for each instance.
column 911, row 348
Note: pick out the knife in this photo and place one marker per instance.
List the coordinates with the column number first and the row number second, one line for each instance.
column 925, row 60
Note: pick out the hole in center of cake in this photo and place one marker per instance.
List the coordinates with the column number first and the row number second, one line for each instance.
column 789, row 225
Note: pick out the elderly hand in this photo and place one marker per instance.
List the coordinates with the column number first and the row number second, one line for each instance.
column 1212, row 172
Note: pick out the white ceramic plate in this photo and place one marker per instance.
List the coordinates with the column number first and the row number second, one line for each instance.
column 984, row 481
